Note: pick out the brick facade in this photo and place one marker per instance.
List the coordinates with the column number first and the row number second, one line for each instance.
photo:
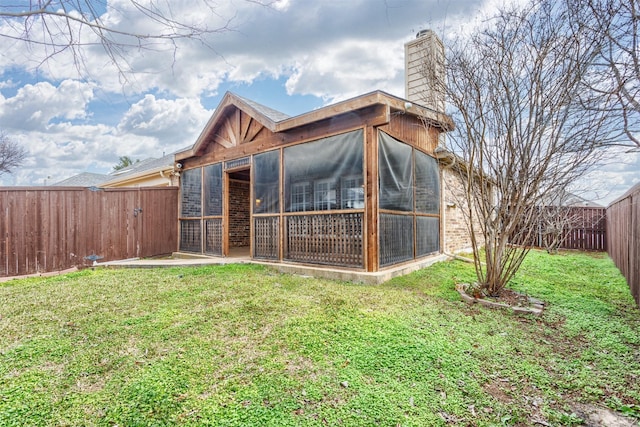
column 239, row 214
column 456, row 232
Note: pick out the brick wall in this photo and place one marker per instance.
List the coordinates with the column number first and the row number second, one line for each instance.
column 456, row 233
column 239, row 214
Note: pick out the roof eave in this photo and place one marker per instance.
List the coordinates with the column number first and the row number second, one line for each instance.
column 137, row 176
column 434, row 118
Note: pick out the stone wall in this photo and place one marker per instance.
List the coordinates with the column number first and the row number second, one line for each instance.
column 239, row 214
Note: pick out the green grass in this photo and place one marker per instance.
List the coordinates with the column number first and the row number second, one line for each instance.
column 243, row 345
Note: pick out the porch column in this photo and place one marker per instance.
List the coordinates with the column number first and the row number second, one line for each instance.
column 371, row 249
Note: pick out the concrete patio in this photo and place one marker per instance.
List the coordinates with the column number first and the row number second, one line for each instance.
column 240, row 256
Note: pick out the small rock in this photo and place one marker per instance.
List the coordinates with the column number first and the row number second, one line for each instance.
column 345, row 384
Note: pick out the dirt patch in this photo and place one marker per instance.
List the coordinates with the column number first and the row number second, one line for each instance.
column 497, row 390
column 507, row 299
column 512, row 298
column 520, row 395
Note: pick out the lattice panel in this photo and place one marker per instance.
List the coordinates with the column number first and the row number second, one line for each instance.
column 190, row 236
column 334, row 239
column 266, row 237
column 396, row 238
column 213, row 236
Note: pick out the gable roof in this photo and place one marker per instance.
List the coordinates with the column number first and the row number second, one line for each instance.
column 276, row 121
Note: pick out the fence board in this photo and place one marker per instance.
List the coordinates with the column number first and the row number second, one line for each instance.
column 623, row 220
column 54, row 228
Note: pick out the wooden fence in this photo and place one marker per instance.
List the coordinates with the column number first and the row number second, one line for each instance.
column 54, row 228
column 584, row 228
column 623, row 220
column 575, row 228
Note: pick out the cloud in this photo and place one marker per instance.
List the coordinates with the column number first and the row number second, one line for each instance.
column 306, row 41
column 49, row 121
column 174, row 122
column 613, row 177
column 80, row 113
column 35, row 106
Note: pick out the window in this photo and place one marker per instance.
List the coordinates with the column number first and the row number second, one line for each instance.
column 212, row 203
column 266, row 182
column 395, row 174
column 324, row 174
column 300, row 197
column 352, row 192
column 191, row 193
column 324, row 195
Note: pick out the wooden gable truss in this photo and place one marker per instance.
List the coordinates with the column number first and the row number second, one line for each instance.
column 237, row 128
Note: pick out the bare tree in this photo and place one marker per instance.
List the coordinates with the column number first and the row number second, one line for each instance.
column 11, row 154
column 615, row 25
column 554, row 224
column 526, row 127
column 73, row 26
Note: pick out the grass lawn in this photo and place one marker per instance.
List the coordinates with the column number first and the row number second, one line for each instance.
column 243, row 345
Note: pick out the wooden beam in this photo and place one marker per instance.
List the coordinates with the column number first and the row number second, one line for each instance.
column 219, row 139
column 236, row 130
column 281, row 205
column 371, row 247
column 244, row 127
column 230, row 127
column 252, row 131
column 225, row 213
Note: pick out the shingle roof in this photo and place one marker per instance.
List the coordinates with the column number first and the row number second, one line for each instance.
column 84, row 179
column 270, row 113
column 143, row 165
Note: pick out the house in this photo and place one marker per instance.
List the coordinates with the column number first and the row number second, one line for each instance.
column 354, row 185
column 151, row 172
column 563, row 198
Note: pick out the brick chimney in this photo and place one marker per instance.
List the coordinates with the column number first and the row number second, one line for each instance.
column 424, row 70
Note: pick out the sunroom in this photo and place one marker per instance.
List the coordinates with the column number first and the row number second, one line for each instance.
column 354, row 185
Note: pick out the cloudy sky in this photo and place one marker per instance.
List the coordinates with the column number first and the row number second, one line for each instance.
column 81, row 114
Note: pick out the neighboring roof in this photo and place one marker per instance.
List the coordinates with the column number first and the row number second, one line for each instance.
column 565, row 198
column 84, row 179
column 141, row 168
column 144, row 165
column 276, row 121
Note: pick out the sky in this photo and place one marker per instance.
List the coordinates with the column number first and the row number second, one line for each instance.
column 292, row 55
